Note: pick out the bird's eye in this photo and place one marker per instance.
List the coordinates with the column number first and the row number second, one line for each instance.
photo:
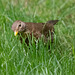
column 20, row 25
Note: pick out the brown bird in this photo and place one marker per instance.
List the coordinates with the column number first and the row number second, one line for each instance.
column 38, row 29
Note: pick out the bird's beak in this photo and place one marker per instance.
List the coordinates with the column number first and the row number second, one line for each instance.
column 15, row 33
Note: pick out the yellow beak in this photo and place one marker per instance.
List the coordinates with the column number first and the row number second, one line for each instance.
column 15, row 33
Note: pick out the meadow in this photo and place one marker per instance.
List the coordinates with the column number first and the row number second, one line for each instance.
column 19, row 59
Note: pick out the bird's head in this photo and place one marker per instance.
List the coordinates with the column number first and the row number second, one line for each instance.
column 18, row 27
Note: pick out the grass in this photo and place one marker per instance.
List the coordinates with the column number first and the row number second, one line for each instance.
column 17, row 59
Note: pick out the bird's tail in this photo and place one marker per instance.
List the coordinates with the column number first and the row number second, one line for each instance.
column 49, row 25
column 52, row 22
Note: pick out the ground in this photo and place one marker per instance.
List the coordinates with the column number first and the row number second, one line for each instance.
column 19, row 59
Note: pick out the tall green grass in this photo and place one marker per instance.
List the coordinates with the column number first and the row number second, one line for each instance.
column 37, row 59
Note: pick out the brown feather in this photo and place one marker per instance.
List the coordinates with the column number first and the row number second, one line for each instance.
column 38, row 29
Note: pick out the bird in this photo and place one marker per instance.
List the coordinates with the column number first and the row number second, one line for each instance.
column 37, row 29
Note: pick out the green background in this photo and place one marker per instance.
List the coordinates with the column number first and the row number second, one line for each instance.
column 17, row 58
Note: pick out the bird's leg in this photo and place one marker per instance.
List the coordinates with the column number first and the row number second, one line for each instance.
column 52, row 35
